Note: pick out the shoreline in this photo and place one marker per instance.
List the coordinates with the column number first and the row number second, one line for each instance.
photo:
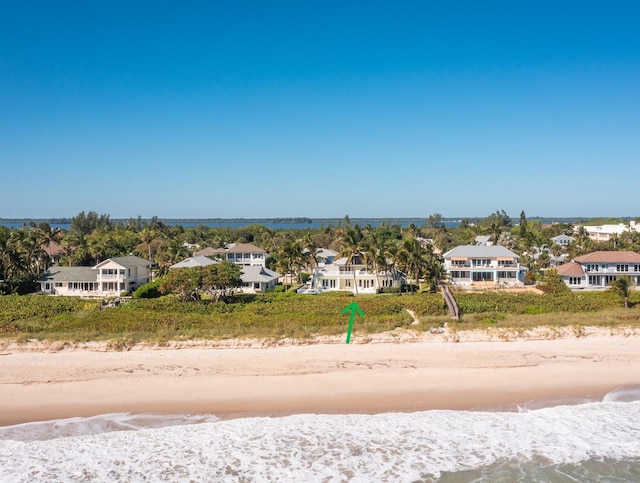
column 405, row 372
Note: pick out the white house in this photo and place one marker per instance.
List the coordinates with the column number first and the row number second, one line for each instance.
column 257, row 279
column 562, row 240
column 597, row 270
column 244, row 254
column 107, row 279
column 353, row 277
column 605, row 232
column 483, row 265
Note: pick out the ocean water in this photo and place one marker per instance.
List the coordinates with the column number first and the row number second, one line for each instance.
column 590, row 441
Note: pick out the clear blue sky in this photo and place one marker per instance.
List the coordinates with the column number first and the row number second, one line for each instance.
column 319, row 109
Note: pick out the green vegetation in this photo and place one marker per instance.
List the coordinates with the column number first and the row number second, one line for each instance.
column 289, row 315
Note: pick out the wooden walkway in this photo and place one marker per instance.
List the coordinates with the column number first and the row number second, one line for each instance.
column 454, row 311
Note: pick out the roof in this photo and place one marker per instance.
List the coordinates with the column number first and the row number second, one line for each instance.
column 258, row 274
column 571, row 269
column 127, row 262
column 207, row 252
column 480, row 251
column 562, row 236
column 245, row 248
column 195, row 261
column 70, row 274
column 609, row 257
column 53, row 249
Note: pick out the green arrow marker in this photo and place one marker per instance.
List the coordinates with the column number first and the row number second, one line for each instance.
column 352, row 308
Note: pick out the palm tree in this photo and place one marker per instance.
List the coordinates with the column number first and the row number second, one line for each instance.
column 621, row 287
column 351, row 240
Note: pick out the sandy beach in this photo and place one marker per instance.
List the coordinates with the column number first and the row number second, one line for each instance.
column 399, row 372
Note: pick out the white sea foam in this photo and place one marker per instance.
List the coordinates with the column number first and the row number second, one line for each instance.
column 383, row 447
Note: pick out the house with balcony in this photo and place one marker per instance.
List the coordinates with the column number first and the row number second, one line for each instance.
column 107, row 279
column 484, row 266
column 245, row 254
column 352, row 276
column 596, row 270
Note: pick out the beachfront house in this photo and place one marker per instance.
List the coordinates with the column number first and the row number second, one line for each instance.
column 596, row 270
column 255, row 278
column 352, row 276
column 258, row 279
column 107, row 279
column 483, row 266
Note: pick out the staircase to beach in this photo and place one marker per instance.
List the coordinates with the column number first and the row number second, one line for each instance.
column 454, row 311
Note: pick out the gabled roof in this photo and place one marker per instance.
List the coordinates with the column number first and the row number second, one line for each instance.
column 480, row 251
column 195, row 261
column 571, row 269
column 70, row 274
column 562, row 236
column 245, row 248
column 258, row 274
column 126, row 262
column 609, row 257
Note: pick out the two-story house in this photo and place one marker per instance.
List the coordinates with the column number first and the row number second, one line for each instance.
column 596, row 270
column 245, row 254
column 485, row 265
column 352, row 276
column 108, row 278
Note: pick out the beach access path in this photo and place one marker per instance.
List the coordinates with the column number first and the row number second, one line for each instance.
column 371, row 375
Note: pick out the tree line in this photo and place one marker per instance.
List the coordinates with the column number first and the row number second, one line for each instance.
column 26, row 252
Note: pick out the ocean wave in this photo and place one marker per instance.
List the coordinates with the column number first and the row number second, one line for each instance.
column 353, row 447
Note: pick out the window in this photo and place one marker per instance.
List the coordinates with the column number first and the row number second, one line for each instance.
column 481, row 262
column 575, row 281
column 458, row 263
column 622, row 268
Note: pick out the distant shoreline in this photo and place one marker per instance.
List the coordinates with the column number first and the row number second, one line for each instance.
column 293, row 220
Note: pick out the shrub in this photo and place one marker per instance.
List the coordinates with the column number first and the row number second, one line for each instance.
column 149, row 290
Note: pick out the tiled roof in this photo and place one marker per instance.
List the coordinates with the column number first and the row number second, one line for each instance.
column 571, row 269
column 245, row 248
column 609, row 257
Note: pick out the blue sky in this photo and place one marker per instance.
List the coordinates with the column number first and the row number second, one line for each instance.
column 319, row 109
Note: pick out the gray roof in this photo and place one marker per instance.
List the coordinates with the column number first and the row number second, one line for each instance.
column 195, row 261
column 562, row 237
column 127, row 262
column 70, row 274
column 480, row 251
column 258, row 274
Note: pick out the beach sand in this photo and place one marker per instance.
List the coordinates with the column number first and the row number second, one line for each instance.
column 402, row 371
